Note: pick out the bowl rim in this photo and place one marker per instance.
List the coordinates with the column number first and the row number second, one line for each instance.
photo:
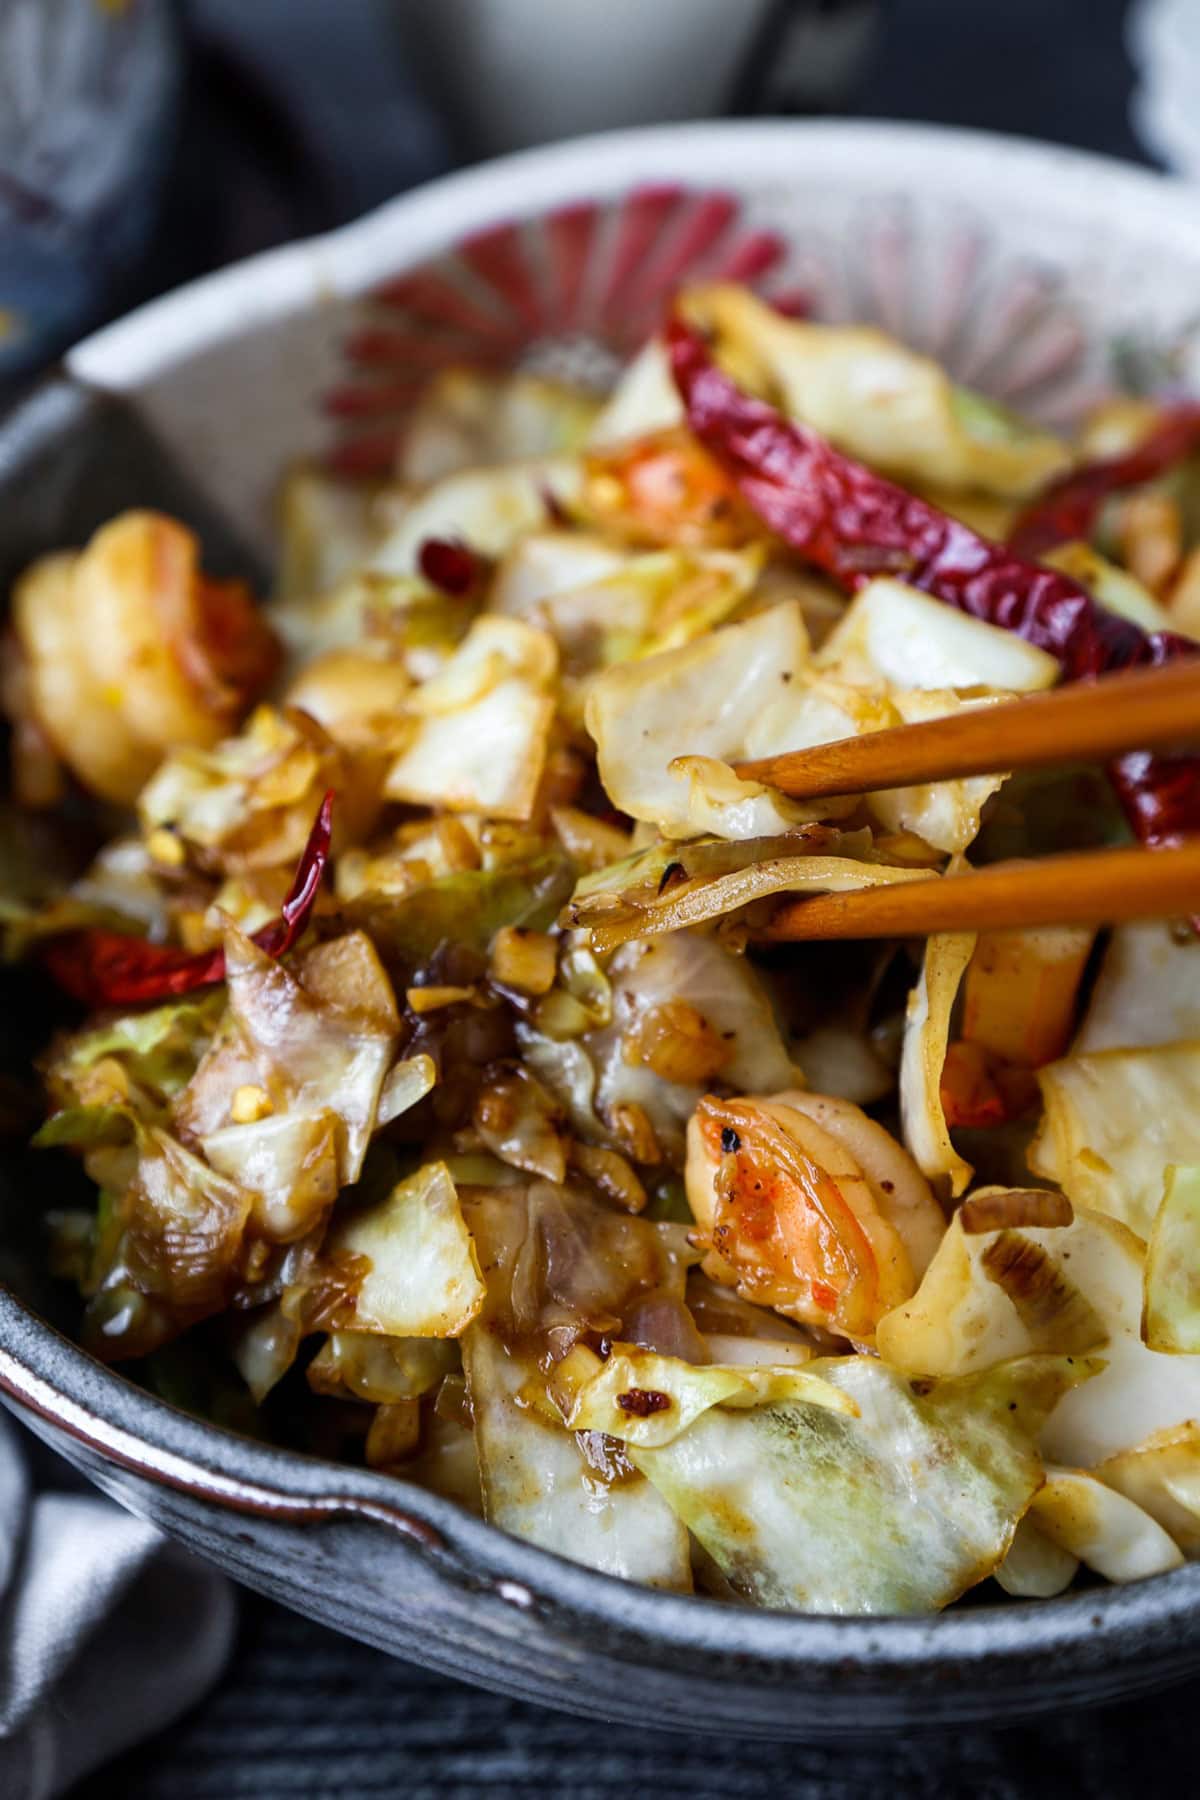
column 985, row 168
column 102, row 1410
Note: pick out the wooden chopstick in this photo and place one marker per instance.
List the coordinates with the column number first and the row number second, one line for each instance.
column 1097, row 887
column 1144, row 709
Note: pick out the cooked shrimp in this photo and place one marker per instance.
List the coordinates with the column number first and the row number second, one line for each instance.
column 129, row 651
column 901, row 1192
column 664, row 489
column 790, row 1218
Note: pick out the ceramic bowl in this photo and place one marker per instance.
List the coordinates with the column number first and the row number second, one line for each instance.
column 1040, row 275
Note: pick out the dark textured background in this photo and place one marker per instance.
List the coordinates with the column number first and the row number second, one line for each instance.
column 298, row 116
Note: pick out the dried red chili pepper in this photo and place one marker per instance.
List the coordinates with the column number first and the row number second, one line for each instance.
column 1069, row 505
column 112, row 968
column 449, row 565
column 855, row 525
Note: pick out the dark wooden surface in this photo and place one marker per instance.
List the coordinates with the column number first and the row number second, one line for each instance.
column 304, row 1715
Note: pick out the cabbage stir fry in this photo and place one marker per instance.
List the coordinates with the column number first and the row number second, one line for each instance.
column 444, row 1110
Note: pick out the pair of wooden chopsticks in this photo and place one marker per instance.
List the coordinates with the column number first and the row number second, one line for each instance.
column 1153, row 709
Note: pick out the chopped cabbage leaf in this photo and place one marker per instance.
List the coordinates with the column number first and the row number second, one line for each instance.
column 652, row 603
column 558, row 1264
column 1101, row 1527
column 86, row 1127
column 671, row 887
column 645, row 400
column 1034, row 1568
column 328, row 529
column 545, row 563
column 758, row 1352
column 539, row 1483
column 697, row 901
column 652, row 1056
column 945, row 814
column 742, row 1038
column 730, row 806
column 646, row 1399
column 122, row 884
column 878, row 400
column 992, row 1294
column 144, row 1059
column 1114, row 1121
column 699, row 700
column 407, row 1082
column 415, row 623
column 249, row 803
column 898, row 635
column 489, row 509
column 1071, row 1289
column 447, row 1464
column 1171, row 1316
column 1111, row 585
column 667, row 727
column 1161, row 1474
column 926, row 1035
column 422, row 1276
column 481, row 726
column 468, row 418
column 841, row 1060
column 1147, row 991
column 181, row 1226
column 517, row 1120
column 655, row 602
column 899, row 1510
column 467, row 907
column 357, row 695
column 264, row 1347
column 303, row 1057
column 288, row 1162
column 384, row 1370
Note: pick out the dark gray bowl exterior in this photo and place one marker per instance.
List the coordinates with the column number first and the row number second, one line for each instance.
column 420, row 1578
column 414, row 1574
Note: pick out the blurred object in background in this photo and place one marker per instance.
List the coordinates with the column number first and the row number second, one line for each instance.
column 808, row 57
column 1052, row 69
column 336, row 110
column 510, row 73
column 89, row 93
column 1164, row 44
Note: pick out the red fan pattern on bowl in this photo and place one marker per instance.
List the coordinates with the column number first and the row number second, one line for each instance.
column 576, row 290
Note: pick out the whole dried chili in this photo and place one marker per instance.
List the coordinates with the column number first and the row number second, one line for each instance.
column 855, row 525
column 1068, row 507
column 112, row 968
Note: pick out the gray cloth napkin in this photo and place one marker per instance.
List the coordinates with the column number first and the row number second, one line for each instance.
column 107, row 1631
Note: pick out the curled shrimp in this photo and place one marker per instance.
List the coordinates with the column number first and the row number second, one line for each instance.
column 790, row 1218
column 665, row 489
column 127, row 650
